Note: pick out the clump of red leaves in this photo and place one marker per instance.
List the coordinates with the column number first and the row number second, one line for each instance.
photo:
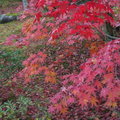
column 98, row 81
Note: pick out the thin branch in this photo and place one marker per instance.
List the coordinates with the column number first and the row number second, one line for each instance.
column 111, row 37
column 107, row 35
column 25, row 4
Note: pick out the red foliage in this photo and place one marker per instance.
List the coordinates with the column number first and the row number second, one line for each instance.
column 98, row 81
column 69, row 24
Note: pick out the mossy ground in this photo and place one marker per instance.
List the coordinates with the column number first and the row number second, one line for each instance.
column 9, row 28
column 7, row 3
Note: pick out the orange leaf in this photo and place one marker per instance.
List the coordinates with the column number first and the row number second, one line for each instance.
column 107, row 77
column 112, row 104
column 94, row 101
column 50, row 79
column 64, row 110
column 110, row 68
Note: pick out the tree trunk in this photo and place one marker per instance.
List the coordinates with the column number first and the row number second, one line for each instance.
column 25, row 4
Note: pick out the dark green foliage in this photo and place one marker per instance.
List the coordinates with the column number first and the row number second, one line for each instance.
column 11, row 109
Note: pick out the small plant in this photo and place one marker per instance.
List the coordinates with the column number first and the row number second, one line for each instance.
column 8, row 110
column 23, row 103
column 13, row 109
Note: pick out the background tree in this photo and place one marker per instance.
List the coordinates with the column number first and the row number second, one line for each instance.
column 25, row 4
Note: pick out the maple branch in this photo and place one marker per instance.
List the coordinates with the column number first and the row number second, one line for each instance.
column 79, row 2
column 111, row 37
column 105, row 34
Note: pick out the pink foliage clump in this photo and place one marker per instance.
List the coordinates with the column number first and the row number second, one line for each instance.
column 98, row 80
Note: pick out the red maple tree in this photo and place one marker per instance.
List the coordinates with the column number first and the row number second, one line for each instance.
column 73, row 26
